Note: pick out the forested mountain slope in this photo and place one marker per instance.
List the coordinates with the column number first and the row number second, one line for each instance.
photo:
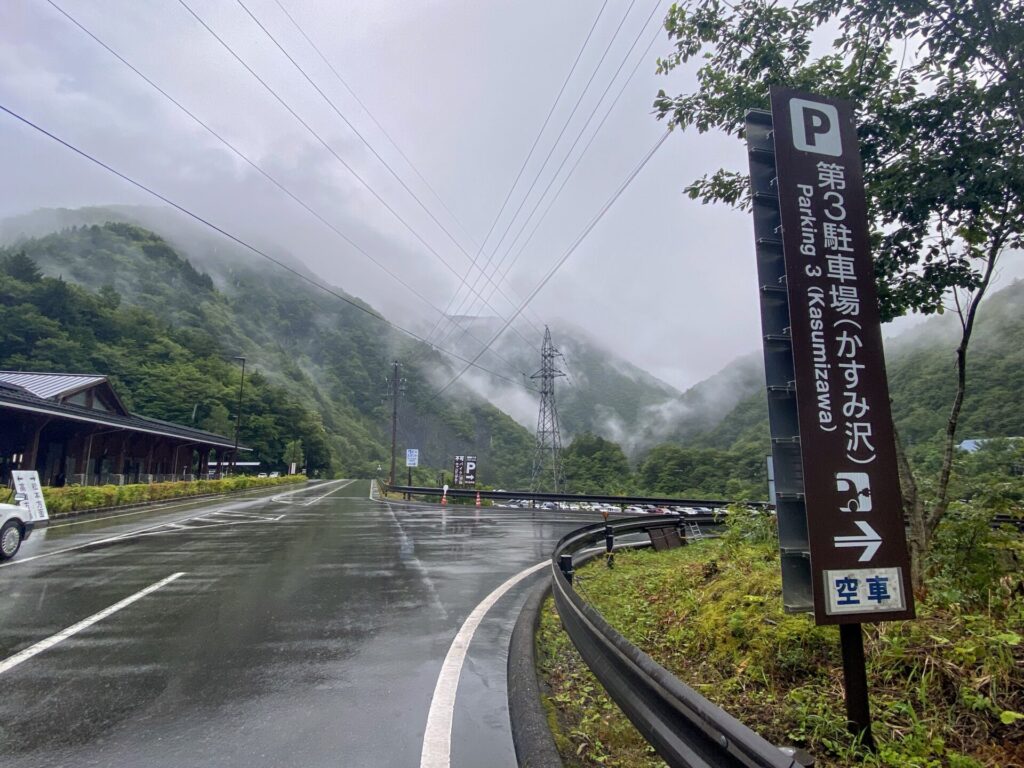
column 920, row 366
column 116, row 298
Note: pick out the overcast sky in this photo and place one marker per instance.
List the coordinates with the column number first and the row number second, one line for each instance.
column 463, row 87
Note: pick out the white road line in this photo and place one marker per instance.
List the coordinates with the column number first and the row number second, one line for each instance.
column 333, row 490
column 280, row 496
column 12, row 661
column 437, row 739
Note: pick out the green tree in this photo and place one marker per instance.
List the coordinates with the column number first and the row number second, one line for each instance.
column 293, row 454
column 21, row 267
column 595, row 465
column 940, row 114
column 218, row 420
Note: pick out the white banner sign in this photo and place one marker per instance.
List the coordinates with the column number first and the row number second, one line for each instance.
column 28, row 493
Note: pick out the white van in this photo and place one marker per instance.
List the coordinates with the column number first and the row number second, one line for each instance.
column 17, row 521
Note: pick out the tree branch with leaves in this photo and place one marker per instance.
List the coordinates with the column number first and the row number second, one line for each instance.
column 938, row 89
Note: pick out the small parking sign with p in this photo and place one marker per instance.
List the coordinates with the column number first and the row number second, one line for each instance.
column 815, row 127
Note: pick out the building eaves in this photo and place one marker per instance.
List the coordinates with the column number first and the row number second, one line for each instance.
column 28, row 402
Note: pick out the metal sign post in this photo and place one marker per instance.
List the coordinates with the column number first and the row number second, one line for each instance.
column 832, row 436
column 412, row 459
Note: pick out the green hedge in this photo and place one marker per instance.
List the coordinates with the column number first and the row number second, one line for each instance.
column 78, row 497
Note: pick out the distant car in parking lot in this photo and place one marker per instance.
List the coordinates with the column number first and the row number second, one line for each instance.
column 262, row 474
column 275, row 474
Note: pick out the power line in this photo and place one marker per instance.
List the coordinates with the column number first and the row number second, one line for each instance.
column 533, row 148
column 463, row 279
column 326, row 146
column 262, row 172
column 579, row 157
column 572, row 248
column 561, row 133
column 370, row 114
column 568, row 154
column 575, row 164
column 243, row 243
column 401, row 152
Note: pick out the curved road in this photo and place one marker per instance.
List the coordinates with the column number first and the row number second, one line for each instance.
column 304, row 629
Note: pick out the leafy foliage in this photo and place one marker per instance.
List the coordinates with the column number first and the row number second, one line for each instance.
column 595, row 465
column 75, row 498
column 939, row 136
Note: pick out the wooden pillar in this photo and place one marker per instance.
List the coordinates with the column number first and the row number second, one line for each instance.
column 32, row 449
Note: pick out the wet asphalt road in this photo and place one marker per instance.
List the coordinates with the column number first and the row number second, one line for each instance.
column 305, row 630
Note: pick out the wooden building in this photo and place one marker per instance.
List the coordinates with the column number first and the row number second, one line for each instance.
column 74, row 429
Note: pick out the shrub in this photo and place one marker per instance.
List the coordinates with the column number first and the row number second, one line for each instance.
column 74, row 498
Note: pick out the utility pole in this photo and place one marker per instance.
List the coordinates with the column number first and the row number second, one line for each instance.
column 547, row 455
column 238, row 414
column 396, row 386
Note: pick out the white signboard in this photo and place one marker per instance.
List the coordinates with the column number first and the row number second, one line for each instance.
column 862, row 590
column 412, row 457
column 28, row 493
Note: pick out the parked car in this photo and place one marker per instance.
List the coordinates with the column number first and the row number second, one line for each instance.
column 262, row 474
column 275, row 474
column 17, row 521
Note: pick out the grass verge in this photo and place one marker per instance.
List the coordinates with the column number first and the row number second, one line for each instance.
column 946, row 689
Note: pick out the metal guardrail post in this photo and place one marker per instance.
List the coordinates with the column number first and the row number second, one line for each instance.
column 609, row 546
column 565, row 564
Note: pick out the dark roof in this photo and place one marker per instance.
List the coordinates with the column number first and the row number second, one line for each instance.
column 20, row 399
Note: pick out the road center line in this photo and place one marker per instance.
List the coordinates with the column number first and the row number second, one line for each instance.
column 437, row 739
column 333, row 490
column 12, row 661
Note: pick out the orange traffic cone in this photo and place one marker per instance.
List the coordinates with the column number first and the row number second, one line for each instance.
column 478, row 498
column 444, row 500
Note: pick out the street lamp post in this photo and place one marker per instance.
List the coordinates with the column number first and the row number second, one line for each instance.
column 238, row 414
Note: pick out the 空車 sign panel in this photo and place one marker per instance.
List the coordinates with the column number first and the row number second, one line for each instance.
column 854, row 507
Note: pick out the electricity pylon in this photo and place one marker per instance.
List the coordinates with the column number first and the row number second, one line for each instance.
column 547, row 455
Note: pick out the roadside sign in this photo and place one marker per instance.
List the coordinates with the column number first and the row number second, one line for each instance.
column 469, row 471
column 28, row 493
column 459, row 470
column 412, row 457
column 859, row 564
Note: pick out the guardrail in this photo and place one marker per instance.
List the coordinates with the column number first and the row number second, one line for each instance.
column 687, row 730
column 590, row 498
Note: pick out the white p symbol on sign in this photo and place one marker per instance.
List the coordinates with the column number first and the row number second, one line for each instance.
column 815, row 127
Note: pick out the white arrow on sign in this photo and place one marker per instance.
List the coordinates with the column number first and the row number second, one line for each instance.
column 870, row 540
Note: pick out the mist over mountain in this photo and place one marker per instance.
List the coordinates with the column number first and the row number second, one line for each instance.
column 334, row 358
column 285, row 325
column 920, row 364
column 325, row 357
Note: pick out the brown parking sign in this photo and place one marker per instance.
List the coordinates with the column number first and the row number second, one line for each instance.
column 858, row 550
